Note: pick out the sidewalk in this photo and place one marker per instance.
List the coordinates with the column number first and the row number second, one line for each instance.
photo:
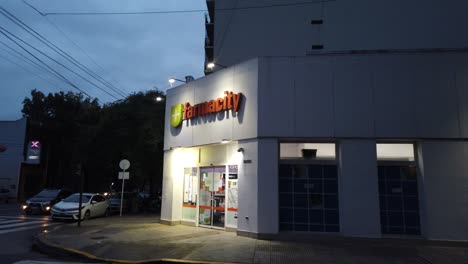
column 141, row 239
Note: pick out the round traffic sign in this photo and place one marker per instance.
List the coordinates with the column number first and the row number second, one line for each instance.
column 124, row 164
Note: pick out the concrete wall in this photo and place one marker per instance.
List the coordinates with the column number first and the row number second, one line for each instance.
column 445, row 183
column 414, row 95
column 12, row 136
column 248, row 188
column 268, row 198
column 347, row 25
column 358, row 187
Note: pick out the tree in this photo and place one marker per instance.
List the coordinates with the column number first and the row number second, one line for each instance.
column 64, row 122
column 131, row 129
column 77, row 130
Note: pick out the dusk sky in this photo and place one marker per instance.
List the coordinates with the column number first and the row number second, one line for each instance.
column 132, row 52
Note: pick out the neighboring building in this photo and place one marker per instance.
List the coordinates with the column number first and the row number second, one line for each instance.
column 12, row 154
column 238, row 30
column 370, row 143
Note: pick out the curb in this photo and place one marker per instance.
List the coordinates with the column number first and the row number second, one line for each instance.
column 50, row 248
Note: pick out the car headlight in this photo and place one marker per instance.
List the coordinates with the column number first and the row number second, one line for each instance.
column 47, row 208
column 24, row 207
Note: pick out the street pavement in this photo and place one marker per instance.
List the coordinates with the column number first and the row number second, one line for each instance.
column 17, row 232
column 141, row 239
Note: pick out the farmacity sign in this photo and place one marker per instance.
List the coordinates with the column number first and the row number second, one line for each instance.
column 180, row 112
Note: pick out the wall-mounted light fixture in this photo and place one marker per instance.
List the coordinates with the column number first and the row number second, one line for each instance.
column 212, row 65
column 224, row 141
column 188, row 79
column 240, row 150
column 175, row 147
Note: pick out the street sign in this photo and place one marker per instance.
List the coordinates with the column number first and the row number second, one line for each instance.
column 124, row 164
column 124, row 175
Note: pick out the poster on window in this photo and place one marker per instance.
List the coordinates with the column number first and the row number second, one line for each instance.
column 190, row 187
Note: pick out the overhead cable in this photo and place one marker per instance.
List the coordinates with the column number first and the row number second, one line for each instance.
column 38, row 59
column 21, row 56
column 59, row 63
column 26, row 69
column 58, row 50
column 177, row 11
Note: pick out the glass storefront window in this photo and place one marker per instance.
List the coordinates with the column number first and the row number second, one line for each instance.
column 190, row 194
column 398, row 189
column 308, row 196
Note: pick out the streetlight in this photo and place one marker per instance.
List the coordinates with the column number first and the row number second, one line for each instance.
column 159, row 99
column 173, row 80
column 187, row 80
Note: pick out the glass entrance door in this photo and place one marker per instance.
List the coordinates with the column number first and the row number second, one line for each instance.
column 212, row 197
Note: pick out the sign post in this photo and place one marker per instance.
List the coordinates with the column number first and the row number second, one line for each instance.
column 124, row 165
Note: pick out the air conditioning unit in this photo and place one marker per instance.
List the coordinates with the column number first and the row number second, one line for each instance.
column 309, row 153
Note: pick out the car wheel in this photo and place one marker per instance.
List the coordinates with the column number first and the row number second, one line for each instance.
column 87, row 215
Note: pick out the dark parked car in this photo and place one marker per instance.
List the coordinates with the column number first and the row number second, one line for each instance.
column 43, row 201
column 115, row 199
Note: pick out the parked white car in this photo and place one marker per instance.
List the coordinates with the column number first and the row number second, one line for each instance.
column 93, row 205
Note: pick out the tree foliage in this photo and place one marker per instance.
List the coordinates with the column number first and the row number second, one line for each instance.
column 77, row 130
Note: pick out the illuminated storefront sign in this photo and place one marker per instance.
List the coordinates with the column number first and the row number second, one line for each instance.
column 34, row 152
column 180, row 112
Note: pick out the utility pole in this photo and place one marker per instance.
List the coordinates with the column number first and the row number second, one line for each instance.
column 80, row 203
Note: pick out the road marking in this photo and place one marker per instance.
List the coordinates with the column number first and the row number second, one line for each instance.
column 25, row 228
column 22, row 224
column 45, row 262
column 9, row 224
column 3, row 222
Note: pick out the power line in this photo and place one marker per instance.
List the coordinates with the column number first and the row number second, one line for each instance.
column 58, row 50
column 61, row 76
column 177, row 11
column 82, row 50
column 87, row 55
column 19, row 55
column 59, row 63
column 26, row 69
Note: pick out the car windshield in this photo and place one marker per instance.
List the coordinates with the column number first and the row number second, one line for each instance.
column 48, row 193
column 75, row 198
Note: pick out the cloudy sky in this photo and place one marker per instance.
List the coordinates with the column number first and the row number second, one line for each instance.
column 131, row 52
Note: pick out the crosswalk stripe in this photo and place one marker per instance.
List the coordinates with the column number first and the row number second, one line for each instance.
column 3, row 222
column 9, row 224
column 44, row 218
column 21, row 224
column 24, row 228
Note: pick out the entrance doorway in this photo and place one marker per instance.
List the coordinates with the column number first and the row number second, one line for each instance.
column 212, row 203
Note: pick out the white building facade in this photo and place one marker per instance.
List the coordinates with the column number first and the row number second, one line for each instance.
column 355, row 144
